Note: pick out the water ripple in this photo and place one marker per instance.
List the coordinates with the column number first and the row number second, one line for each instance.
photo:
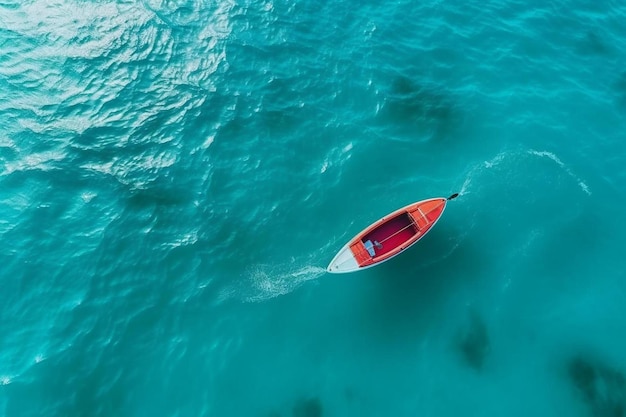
column 171, row 171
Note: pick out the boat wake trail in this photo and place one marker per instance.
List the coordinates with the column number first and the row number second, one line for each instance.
column 269, row 281
column 515, row 167
column 560, row 163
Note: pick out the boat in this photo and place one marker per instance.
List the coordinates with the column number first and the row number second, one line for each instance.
column 389, row 236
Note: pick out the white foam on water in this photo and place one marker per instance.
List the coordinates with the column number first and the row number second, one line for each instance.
column 465, row 186
column 226, row 293
column 503, row 157
column 269, row 281
column 478, row 168
column 495, row 161
column 557, row 160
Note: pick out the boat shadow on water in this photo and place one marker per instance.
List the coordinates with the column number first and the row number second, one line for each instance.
column 303, row 407
column 472, row 340
column 410, row 289
column 420, row 109
column 601, row 387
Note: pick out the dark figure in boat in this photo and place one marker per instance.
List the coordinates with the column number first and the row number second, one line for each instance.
column 370, row 247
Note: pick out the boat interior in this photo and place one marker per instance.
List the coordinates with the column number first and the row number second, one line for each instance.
column 389, row 235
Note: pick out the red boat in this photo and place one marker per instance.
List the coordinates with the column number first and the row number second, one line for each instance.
column 389, row 236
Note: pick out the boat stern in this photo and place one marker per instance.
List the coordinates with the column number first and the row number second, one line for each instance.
column 343, row 262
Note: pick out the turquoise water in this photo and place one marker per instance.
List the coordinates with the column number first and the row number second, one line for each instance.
column 175, row 178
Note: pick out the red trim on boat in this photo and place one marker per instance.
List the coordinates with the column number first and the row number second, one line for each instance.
column 396, row 232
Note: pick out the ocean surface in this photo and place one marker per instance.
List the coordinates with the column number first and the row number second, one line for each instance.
column 175, row 176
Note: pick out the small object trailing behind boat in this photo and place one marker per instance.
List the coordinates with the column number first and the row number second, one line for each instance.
column 389, row 236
